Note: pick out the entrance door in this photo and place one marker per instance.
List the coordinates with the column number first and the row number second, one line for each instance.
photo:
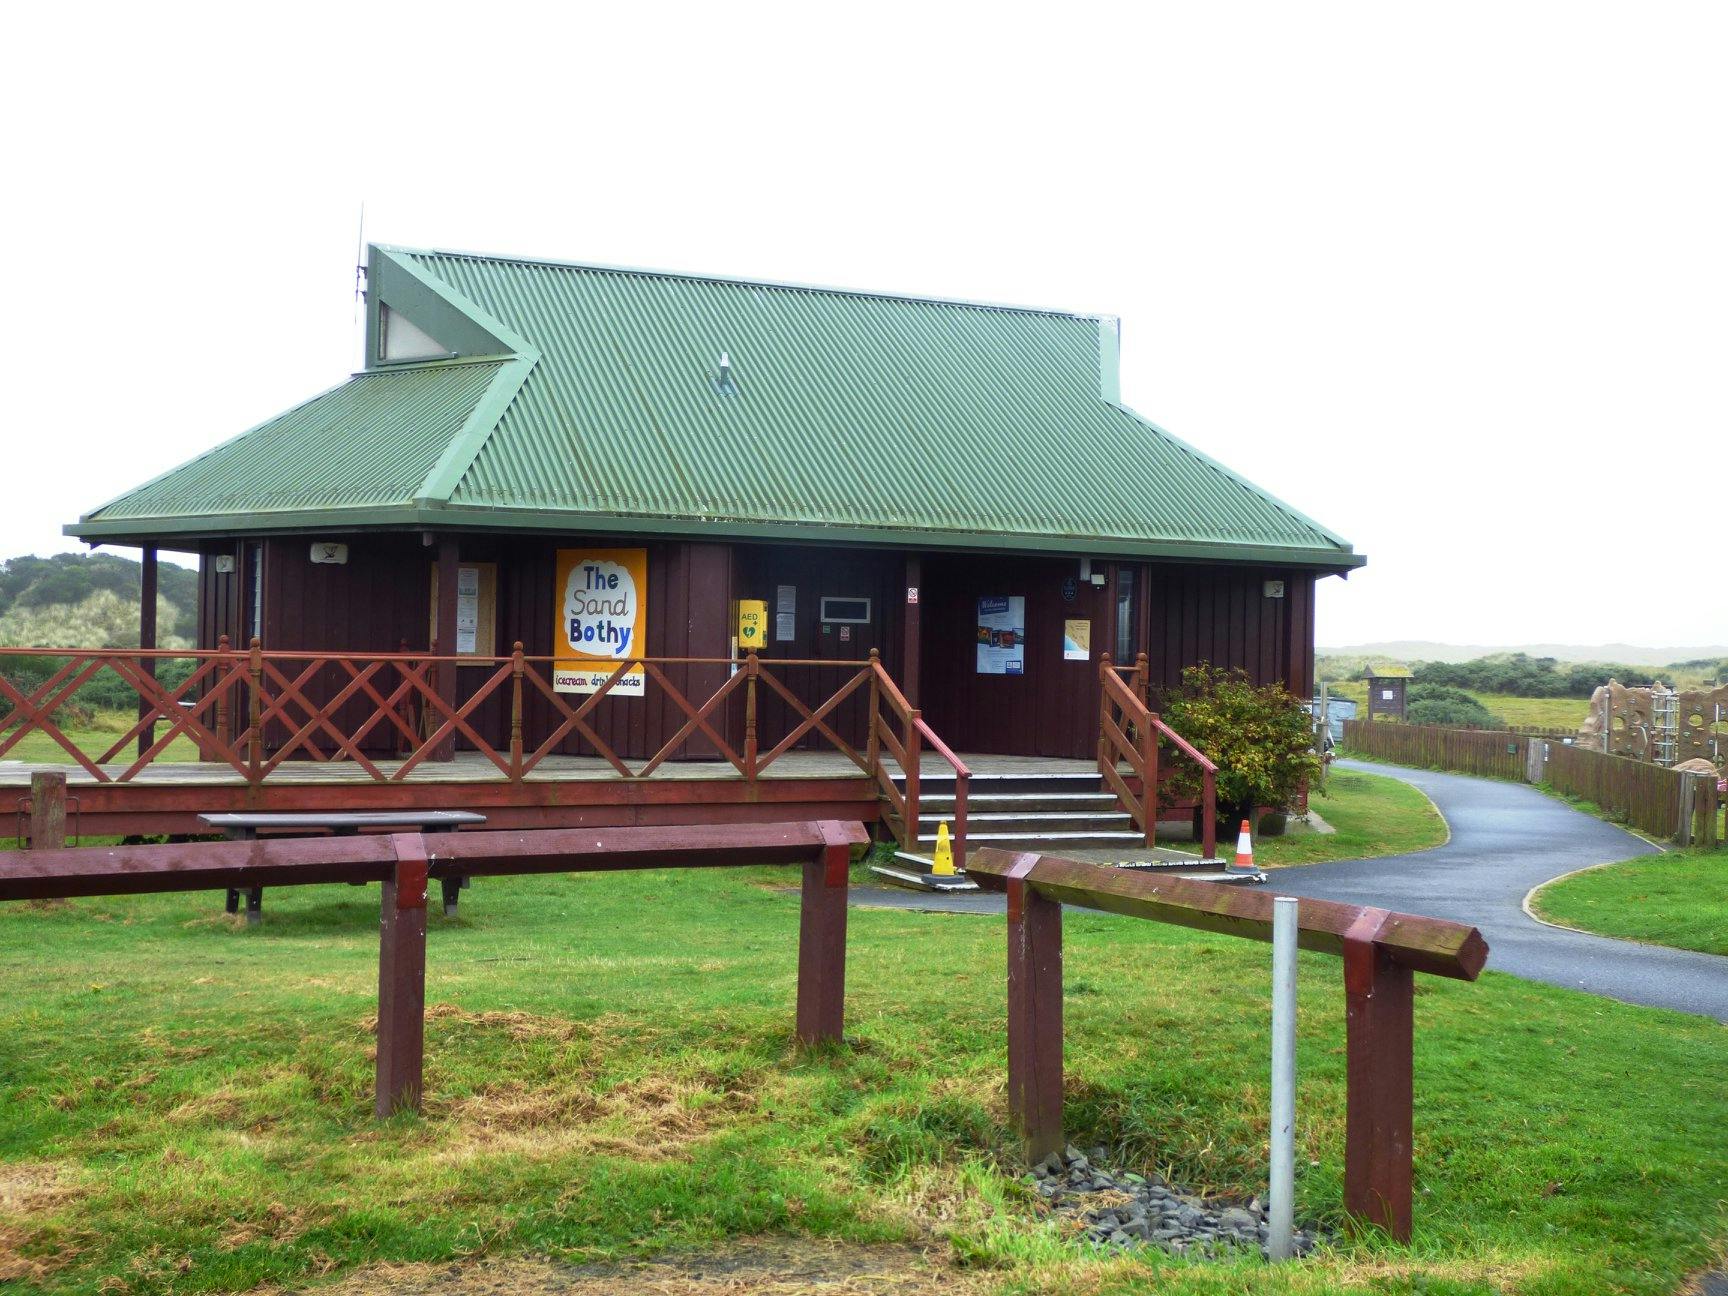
column 848, row 626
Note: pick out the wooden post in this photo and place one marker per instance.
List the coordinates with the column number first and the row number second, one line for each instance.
column 1149, row 776
column 751, row 669
column 147, row 642
column 516, row 669
column 912, row 649
column 255, row 709
column 913, row 741
column 1379, row 1001
column 449, row 559
column 402, row 980
column 47, row 810
column 872, row 742
column 1034, row 1014
column 224, row 734
column 1104, row 753
column 822, row 942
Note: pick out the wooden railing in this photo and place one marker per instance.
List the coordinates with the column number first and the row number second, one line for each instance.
column 900, row 728
column 1381, row 951
column 389, row 713
column 1128, row 734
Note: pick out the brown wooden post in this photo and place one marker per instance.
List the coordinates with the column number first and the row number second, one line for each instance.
column 1379, row 1001
column 912, row 650
column 1149, row 774
column 147, row 641
column 914, row 744
column 822, row 941
column 1142, row 680
column 223, row 730
column 255, row 710
column 402, row 980
column 873, row 743
column 1104, row 754
column 47, row 810
column 516, row 712
column 449, row 559
column 1034, row 1014
column 751, row 669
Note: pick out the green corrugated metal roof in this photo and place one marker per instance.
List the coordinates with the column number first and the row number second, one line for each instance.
column 846, row 415
column 369, row 442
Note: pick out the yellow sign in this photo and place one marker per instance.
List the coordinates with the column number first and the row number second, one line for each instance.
column 602, row 609
column 752, row 625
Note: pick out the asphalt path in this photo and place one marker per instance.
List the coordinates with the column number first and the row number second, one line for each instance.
column 1506, row 839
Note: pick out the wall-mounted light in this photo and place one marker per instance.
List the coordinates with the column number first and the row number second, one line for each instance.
column 223, row 564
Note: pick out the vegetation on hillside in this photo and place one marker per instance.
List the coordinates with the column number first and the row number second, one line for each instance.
column 1440, row 704
column 91, row 601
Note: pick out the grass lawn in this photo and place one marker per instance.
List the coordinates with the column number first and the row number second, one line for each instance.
column 1546, row 713
column 1374, row 815
column 39, row 749
column 184, row 1103
column 1679, row 899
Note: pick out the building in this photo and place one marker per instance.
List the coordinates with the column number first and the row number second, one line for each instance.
column 535, row 448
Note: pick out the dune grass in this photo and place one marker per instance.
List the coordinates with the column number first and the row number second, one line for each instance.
column 1679, row 898
column 184, row 1102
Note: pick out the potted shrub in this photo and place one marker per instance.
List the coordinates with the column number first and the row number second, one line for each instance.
column 1260, row 737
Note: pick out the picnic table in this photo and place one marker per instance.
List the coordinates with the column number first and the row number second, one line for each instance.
column 247, row 827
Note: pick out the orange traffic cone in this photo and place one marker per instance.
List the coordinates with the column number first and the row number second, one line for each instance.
column 1244, row 861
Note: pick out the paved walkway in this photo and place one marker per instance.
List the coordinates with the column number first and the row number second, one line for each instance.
column 1506, row 839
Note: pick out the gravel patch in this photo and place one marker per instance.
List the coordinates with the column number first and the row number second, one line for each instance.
column 1116, row 1208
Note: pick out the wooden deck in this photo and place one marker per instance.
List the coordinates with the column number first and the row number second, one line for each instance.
column 561, row 792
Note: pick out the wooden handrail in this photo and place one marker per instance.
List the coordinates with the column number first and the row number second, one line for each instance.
column 1380, row 952
column 1141, row 755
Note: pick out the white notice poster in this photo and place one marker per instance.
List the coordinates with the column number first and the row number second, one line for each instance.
column 785, row 613
column 467, row 608
column 1002, row 636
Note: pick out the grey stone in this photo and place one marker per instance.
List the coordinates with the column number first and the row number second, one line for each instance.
column 1237, row 1218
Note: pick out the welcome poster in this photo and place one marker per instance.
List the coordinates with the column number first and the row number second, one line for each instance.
column 602, row 601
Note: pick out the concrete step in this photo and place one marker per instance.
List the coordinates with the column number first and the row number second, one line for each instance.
column 939, row 783
column 1031, row 822
column 1050, row 841
column 910, row 869
column 942, row 804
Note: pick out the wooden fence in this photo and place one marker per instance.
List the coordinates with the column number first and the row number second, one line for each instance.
column 1487, row 752
column 1651, row 798
column 1647, row 796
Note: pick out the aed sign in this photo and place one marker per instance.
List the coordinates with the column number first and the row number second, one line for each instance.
column 752, row 625
column 601, row 598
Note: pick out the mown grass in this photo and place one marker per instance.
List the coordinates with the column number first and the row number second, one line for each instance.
column 1373, row 815
column 184, row 1102
column 1679, row 898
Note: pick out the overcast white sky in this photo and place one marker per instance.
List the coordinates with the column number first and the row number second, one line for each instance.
column 1450, row 279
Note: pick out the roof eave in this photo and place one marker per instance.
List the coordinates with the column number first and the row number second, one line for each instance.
column 426, row 514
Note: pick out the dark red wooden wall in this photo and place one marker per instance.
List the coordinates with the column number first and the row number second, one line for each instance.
column 1185, row 613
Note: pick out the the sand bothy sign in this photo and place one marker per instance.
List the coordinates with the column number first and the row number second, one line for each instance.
column 602, row 619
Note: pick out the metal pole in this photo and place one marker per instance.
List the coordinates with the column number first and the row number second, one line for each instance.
column 1283, row 1177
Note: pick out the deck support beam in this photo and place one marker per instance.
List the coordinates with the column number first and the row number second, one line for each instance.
column 147, row 586
column 821, row 1012
column 449, row 560
column 1034, row 1015
column 402, row 980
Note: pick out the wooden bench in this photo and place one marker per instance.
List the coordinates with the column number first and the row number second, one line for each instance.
column 247, row 827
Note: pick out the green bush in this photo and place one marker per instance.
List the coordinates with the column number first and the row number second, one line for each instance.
column 1259, row 736
column 1439, row 704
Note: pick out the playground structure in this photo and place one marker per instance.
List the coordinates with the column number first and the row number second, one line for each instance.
column 1658, row 724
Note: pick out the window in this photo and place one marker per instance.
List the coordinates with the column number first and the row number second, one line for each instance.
column 400, row 340
column 846, row 611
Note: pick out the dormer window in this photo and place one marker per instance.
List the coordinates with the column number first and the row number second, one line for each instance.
column 401, row 340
